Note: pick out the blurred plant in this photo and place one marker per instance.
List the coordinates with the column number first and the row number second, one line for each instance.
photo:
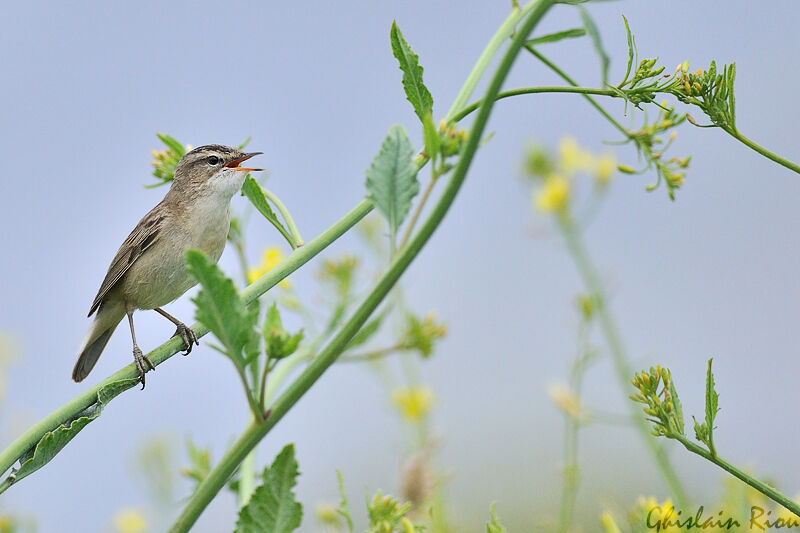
column 544, row 170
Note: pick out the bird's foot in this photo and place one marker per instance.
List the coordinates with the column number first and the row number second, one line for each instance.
column 189, row 338
column 141, row 360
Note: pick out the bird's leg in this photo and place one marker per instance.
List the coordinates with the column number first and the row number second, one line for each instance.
column 184, row 331
column 139, row 358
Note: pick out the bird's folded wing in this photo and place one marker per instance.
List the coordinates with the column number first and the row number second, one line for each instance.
column 141, row 238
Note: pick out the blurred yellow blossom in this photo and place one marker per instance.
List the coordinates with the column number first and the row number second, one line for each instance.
column 605, row 168
column 130, row 520
column 566, row 400
column 270, row 258
column 554, row 195
column 328, row 515
column 572, row 157
column 413, row 402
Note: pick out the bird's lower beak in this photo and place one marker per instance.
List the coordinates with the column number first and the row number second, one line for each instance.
column 236, row 162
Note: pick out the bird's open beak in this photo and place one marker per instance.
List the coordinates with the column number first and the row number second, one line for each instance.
column 235, row 163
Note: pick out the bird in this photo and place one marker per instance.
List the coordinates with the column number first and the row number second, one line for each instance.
column 149, row 271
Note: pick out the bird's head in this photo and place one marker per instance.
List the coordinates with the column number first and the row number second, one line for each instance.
column 212, row 169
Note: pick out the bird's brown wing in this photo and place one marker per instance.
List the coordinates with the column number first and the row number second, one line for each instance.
column 141, row 238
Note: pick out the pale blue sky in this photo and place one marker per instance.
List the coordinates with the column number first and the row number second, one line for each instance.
column 87, row 86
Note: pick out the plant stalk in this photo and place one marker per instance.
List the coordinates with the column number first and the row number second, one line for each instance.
column 216, row 479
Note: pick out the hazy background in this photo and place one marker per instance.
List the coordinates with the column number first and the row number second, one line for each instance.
column 87, row 85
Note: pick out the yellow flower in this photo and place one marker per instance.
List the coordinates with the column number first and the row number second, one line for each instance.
column 605, row 168
column 413, row 402
column 572, row 157
column 130, row 521
column 554, row 196
column 566, row 400
column 270, row 258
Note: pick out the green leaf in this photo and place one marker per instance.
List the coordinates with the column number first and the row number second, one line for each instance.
column 676, row 417
column 494, row 525
column 279, row 343
column 221, row 309
column 730, row 78
column 591, row 29
column 272, row 507
column 416, row 92
column 631, row 47
column 255, row 194
column 712, row 407
column 54, row 441
column 571, row 33
column 392, row 178
column 172, row 143
column 432, row 141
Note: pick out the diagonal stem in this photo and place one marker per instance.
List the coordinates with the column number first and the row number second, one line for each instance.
column 218, row 476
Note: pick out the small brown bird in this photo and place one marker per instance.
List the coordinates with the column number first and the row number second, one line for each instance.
column 149, row 270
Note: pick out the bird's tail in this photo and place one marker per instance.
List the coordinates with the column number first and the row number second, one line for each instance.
column 105, row 322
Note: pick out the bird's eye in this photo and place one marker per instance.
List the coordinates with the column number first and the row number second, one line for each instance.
column 213, row 160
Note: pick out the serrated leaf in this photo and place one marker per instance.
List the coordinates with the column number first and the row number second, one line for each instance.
column 272, row 507
column 494, row 525
column 54, row 441
column 594, row 35
column 172, row 143
column 392, row 178
column 571, row 33
column 416, row 92
column 221, row 309
column 255, row 194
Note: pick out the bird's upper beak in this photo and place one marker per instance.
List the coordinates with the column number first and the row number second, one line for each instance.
column 235, row 163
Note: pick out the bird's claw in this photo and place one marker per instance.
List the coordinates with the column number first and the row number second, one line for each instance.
column 189, row 337
column 141, row 360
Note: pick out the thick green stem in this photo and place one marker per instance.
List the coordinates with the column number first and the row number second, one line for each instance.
column 216, row 479
column 296, row 240
column 619, row 356
column 73, row 408
column 761, row 487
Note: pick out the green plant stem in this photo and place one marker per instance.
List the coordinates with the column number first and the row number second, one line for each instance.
column 569, row 493
column 296, row 240
column 247, row 477
column 761, row 487
column 504, row 32
column 763, row 151
column 418, row 210
column 72, row 409
column 218, row 476
column 566, row 77
column 593, row 285
column 534, row 90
